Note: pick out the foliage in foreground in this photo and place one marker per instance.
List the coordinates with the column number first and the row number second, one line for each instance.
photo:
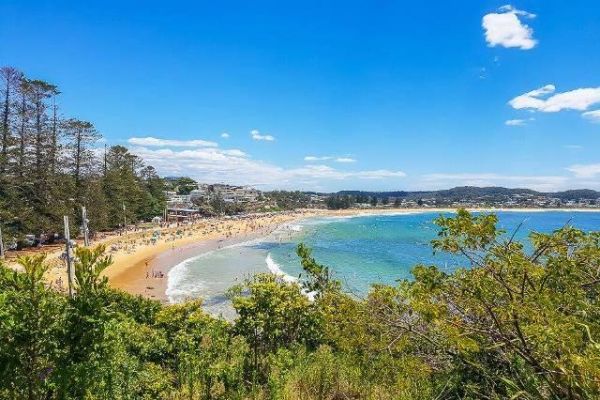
column 512, row 324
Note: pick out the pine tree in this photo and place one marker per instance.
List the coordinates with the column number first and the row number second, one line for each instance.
column 48, row 167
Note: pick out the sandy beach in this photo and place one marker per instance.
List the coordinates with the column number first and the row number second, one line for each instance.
column 143, row 258
column 144, row 270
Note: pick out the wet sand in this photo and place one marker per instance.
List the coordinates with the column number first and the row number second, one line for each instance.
column 145, row 270
column 141, row 263
column 138, row 275
column 142, row 268
column 149, row 276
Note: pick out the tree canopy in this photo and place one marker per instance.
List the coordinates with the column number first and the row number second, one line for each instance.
column 513, row 323
column 51, row 165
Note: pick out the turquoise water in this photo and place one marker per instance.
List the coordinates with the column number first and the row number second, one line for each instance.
column 360, row 251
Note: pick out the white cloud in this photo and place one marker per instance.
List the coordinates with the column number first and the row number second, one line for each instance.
column 505, row 28
column 541, row 183
column 585, row 170
column 377, row 174
column 325, row 171
column 328, row 158
column 236, row 167
column 539, row 99
column 234, row 152
column 156, row 142
column 582, row 176
column 256, row 135
column 345, row 160
column 518, row 122
column 315, row 158
column 593, row 116
column 225, row 135
column 530, row 99
column 515, row 122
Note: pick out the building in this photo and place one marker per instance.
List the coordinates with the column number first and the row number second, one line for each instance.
column 179, row 198
column 202, row 192
column 229, row 193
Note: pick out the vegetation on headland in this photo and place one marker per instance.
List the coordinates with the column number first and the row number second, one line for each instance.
column 51, row 165
column 290, row 200
column 511, row 324
column 473, row 196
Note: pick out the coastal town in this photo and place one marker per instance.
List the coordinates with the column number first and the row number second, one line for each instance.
column 186, row 199
column 219, row 214
column 195, row 199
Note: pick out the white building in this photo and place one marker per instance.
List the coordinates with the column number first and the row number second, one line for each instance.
column 179, row 198
column 201, row 192
column 235, row 194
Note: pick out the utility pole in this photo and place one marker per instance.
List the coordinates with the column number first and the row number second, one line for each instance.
column 124, row 218
column 2, row 255
column 86, row 236
column 68, row 256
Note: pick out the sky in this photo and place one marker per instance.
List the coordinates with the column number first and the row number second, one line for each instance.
column 329, row 95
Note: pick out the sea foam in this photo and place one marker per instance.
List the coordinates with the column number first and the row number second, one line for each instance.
column 277, row 271
column 179, row 287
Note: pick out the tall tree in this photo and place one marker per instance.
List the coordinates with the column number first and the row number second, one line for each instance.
column 40, row 92
column 48, row 167
column 46, row 189
column 80, row 135
column 55, row 134
column 24, row 113
column 10, row 81
column 154, row 201
column 122, row 185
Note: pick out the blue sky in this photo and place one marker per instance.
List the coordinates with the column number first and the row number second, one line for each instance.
column 374, row 95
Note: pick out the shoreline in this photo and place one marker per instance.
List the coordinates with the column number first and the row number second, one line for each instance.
column 149, row 276
column 141, row 264
column 133, row 278
column 138, row 247
column 130, row 273
column 145, row 271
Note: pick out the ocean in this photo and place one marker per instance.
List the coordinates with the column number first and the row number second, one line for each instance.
column 360, row 250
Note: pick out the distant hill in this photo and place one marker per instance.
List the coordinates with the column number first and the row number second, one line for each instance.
column 473, row 192
column 576, row 194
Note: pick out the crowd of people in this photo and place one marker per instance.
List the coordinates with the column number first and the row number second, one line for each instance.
column 130, row 240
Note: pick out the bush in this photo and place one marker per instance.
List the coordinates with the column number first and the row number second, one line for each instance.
column 510, row 324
